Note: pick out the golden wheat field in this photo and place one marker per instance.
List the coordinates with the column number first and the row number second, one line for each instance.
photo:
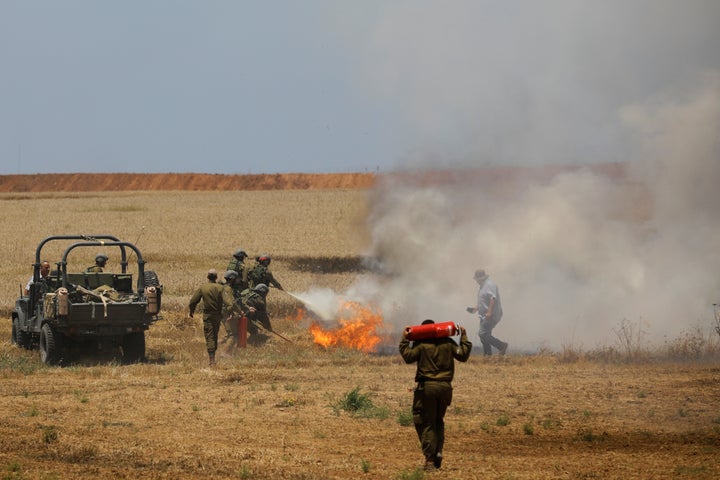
column 297, row 410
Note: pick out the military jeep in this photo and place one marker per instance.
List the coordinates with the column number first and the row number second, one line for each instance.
column 74, row 309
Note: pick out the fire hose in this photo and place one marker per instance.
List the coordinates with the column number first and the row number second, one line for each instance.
column 257, row 324
column 260, row 325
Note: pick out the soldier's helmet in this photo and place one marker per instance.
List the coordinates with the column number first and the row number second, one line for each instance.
column 261, row 288
column 230, row 275
column 101, row 258
column 264, row 260
column 240, row 254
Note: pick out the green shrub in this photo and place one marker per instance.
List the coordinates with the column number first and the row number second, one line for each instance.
column 405, row 417
column 359, row 405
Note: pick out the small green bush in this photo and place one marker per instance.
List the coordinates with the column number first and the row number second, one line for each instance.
column 405, row 417
column 359, row 405
column 502, row 421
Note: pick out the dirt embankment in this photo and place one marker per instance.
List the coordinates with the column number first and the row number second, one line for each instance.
column 93, row 182
column 497, row 177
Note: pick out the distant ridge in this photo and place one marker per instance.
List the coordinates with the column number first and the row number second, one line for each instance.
column 98, row 182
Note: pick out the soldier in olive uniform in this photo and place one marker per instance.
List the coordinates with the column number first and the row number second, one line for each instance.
column 237, row 264
column 254, row 306
column 435, row 370
column 230, row 317
column 100, row 261
column 261, row 273
column 214, row 297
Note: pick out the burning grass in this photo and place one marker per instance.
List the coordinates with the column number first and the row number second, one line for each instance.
column 358, row 327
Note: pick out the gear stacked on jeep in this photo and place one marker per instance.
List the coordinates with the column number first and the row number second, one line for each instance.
column 93, row 311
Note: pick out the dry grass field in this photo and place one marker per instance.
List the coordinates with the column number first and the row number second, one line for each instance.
column 297, row 410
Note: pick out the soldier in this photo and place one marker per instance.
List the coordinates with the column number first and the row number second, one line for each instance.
column 261, row 273
column 230, row 317
column 214, row 296
column 433, row 393
column 237, row 264
column 254, row 306
column 100, row 261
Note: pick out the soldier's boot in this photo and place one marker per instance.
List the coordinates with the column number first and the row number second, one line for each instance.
column 212, row 359
column 430, row 463
column 438, row 460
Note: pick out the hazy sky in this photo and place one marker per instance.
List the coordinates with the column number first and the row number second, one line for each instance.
column 334, row 86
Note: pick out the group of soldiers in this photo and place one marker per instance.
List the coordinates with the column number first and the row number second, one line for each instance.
column 241, row 293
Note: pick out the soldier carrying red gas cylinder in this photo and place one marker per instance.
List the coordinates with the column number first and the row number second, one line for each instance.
column 435, row 353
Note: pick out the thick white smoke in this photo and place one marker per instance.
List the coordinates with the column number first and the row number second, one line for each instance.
column 574, row 256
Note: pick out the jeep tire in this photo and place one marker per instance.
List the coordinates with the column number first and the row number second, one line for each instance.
column 18, row 337
column 51, row 345
column 133, row 347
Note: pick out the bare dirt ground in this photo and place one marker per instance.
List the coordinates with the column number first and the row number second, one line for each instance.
column 274, row 412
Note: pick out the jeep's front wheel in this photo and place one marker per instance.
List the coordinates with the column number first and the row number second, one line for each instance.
column 18, row 337
column 13, row 334
column 133, row 347
column 51, row 345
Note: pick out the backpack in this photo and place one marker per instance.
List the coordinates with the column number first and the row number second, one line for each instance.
column 257, row 275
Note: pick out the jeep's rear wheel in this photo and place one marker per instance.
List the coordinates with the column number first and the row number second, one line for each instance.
column 133, row 347
column 51, row 345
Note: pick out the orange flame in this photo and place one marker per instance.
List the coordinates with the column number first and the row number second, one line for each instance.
column 358, row 329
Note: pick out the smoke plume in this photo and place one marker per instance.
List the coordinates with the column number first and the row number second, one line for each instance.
column 626, row 93
column 574, row 254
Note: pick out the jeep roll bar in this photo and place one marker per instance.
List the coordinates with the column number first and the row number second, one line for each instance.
column 141, row 263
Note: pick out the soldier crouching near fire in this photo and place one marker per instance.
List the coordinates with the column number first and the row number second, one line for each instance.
column 214, row 296
column 254, row 306
column 435, row 359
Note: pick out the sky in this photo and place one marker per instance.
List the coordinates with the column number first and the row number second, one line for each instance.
column 325, row 86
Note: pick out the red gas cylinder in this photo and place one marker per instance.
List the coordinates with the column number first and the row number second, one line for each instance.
column 432, row 330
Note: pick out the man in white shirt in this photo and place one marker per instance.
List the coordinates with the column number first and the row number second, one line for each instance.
column 489, row 309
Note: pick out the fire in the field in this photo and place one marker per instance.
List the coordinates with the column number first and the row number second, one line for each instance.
column 358, row 328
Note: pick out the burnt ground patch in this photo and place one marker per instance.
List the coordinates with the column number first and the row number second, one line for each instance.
column 333, row 264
